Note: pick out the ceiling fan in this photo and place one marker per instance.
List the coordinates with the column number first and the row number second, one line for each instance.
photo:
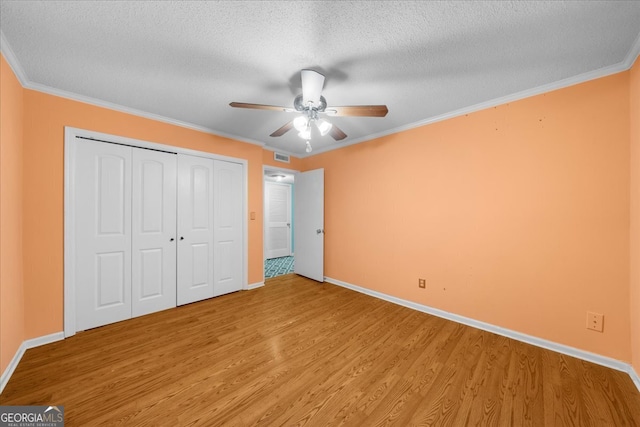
column 312, row 106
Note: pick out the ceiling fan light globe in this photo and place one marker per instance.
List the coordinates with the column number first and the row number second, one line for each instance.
column 323, row 126
column 300, row 123
column 308, row 149
column 305, row 133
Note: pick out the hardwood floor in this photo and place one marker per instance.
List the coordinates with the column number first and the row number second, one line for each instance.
column 297, row 352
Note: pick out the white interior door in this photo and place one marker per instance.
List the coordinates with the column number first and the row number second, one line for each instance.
column 228, row 237
column 103, row 233
column 309, row 214
column 195, row 229
column 153, row 227
column 278, row 219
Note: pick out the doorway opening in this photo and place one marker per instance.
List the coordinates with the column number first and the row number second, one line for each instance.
column 274, row 267
column 279, row 222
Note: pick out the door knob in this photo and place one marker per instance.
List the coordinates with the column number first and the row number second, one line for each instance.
column 319, row 231
column 171, row 239
column 181, row 238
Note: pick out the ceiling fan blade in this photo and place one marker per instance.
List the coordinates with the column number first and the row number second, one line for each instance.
column 283, row 129
column 312, row 83
column 358, row 110
column 260, row 107
column 336, row 133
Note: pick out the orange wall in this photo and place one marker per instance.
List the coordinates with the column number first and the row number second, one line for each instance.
column 635, row 213
column 11, row 283
column 517, row 215
column 45, row 119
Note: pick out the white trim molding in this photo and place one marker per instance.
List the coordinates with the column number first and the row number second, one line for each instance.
column 485, row 105
column 12, row 60
column 631, row 57
column 634, row 377
column 253, row 286
column 624, row 65
column 518, row 336
column 45, row 339
column 13, row 364
column 134, row 112
column 26, row 345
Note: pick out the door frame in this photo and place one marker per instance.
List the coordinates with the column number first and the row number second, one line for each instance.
column 71, row 136
column 265, row 168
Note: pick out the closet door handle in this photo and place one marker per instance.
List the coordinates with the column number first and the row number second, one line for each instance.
column 171, row 239
column 181, row 238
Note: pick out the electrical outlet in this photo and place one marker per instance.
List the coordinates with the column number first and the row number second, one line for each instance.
column 422, row 283
column 595, row 321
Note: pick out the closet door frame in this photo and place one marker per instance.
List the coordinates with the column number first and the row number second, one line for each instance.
column 74, row 136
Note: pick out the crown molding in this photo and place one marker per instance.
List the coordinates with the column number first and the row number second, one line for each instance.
column 624, row 65
column 135, row 112
column 10, row 56
column 17, row 69
column 631, row 57
column 560, row 84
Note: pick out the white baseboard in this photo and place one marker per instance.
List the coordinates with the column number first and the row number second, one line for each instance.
column 254, row 286
column 4, row 379
column 634, row 377
column 538, row 342
column 46, row 339
column 26, row 345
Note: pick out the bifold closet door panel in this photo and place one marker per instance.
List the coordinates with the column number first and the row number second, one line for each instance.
column 102, row 205
column 153, row 284
column 195, row 229
column 228, row 237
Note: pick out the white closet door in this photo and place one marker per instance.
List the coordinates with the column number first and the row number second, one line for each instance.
column 195, row 228
column 228, row 236
column 103, row 233
column 153, row 231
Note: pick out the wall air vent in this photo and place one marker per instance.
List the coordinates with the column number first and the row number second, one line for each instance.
column 279, row 157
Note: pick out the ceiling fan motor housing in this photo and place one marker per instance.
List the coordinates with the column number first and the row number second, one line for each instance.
column 299, row 105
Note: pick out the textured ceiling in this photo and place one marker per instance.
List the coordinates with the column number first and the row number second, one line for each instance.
column 185, row 61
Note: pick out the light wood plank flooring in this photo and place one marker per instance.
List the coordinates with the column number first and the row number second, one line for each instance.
column 297, row 352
